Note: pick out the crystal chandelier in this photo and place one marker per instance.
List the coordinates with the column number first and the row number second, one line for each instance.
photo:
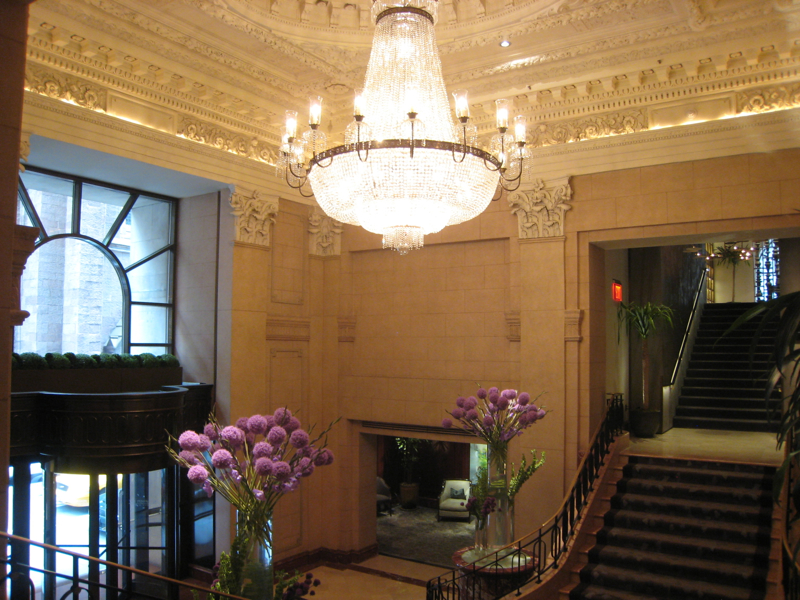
column 406, row 168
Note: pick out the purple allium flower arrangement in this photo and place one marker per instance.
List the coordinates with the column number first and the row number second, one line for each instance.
column 251, row 473
column 495, row 416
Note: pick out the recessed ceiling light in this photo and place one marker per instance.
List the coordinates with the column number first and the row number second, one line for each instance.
column 505, row 44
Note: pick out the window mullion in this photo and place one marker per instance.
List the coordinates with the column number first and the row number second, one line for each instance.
column 77, row 193
column 123, row 214
column 31, row 210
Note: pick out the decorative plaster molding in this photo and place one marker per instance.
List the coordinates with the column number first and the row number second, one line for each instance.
column 254, row 214
column 587, row 128
column 287, row 329
column 514, row 324
column 325, row 234
column 572, row 325
column 23, row 245
column 222, row 139
column 540, row 208
column 65, row 87
column 778, row 97
column 24, row 149
column 347, row 329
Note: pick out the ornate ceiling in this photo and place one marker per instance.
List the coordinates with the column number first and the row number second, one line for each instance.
column 221, row 72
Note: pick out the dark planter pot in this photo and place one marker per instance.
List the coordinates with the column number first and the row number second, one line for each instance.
column 409, row 493
column 95, row 381
column 645, row 423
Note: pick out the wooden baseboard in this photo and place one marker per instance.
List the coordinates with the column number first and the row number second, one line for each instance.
column 325, row 555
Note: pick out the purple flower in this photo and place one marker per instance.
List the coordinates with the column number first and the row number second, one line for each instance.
column 524, row 420
column 471, row 415
column 488, row 421
column 470, row 403
column 541, row 413
column 524, row 398
column 493, row 408
column 292, row 425
column 309, row 451
column 510, row 394
column 188, row 456
column 233, row 435
column 264, row 466
column 262, row 449
column 236, row 476
column 208, row 488
column 276, row 435
column 502, row 403
column 447, row 423
column 210, row 431
column 291, row 484
column 257, row 424
column 324, row 457
column 305, row 467
column 494, row 396
column 458, row 413
column 281, row 470
column 222, row 459
column 205, row 443
column 241, row 423
column 259, row 495
column 460, row 401
column 189, row 440
column 481, row 393
column 197, row 474
column 282, row 416
column 494, row 390
column 299, row 438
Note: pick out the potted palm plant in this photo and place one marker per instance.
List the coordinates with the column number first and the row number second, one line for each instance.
column 731, row 256
column 409, row 456
column 644, row 319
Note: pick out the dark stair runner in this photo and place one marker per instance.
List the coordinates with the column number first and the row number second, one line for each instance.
column 683, row 529
column 723, row 389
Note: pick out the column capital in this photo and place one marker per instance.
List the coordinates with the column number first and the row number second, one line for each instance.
column 325, row 234
column 540, row 207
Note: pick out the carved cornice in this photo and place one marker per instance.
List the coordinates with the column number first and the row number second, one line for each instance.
column 254, row 214
column 222, row 139
column 347, row 329
column 540, row 208
column 778, row 97
column 514, row 325
column 65, row 87
column 59, row 59
column 572, row 325
column 287, row 329
column 325, row 234
column 587, row 128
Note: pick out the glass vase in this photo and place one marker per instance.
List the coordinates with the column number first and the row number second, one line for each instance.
column 498, row 522
column 481, row 533
column 257, row 574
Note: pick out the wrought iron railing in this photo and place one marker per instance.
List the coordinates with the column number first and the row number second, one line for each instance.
column 530, row 557
column 790, row 568
column 88, row 578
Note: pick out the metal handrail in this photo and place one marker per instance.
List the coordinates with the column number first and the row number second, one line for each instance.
column 692, row 317
column 533, row 555
column 19, row 576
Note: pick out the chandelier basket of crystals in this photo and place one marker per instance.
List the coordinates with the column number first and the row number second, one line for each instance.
column 406, row 168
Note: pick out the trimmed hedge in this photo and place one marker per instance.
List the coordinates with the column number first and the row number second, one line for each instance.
column 69, row 360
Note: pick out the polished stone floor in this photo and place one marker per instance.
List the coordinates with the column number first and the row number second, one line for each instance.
column 385, row 578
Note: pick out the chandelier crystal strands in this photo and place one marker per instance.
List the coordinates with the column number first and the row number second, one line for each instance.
column 406, row 168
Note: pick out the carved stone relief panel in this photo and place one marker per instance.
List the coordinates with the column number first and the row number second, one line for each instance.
column 514, row 325
column 572, row 325
column 587, row 128
column 541, row 207
column 254, row 212
column 289, row 259
column 325, row 234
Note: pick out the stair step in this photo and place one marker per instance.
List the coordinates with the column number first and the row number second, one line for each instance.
column 721, row 392
column 681, row 566
column 704, row 549
column 699, row 528
column 695, row 491
column 718, row 511
column 730, row 412
column 724, row 424
column 703, row 473
column 660, row 585
column 595, row 592
column 717, row 401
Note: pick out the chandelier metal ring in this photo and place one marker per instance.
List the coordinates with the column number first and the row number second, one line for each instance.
column 405, row 143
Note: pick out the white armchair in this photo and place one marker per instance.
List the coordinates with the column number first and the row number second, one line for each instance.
column 453, row 500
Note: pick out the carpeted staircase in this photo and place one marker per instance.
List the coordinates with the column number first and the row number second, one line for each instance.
column 680, row 529
column 722, row 389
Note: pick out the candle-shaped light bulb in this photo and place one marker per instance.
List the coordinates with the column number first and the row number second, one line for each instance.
column 520, row 123
column 315, row 110
column 358, row 103
column 412, row 100
column 462, row 105
column 291, row 123
column 502, row 114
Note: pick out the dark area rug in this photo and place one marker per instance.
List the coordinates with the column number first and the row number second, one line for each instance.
column 416, row 535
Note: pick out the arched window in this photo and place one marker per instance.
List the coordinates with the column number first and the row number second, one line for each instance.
column 101, row 277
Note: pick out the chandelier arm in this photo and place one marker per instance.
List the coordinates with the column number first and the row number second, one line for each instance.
column 517, row 180
column 319, row 164
column 498, row 193
column 492, row 167
column 302, row 175
column 366, row 154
